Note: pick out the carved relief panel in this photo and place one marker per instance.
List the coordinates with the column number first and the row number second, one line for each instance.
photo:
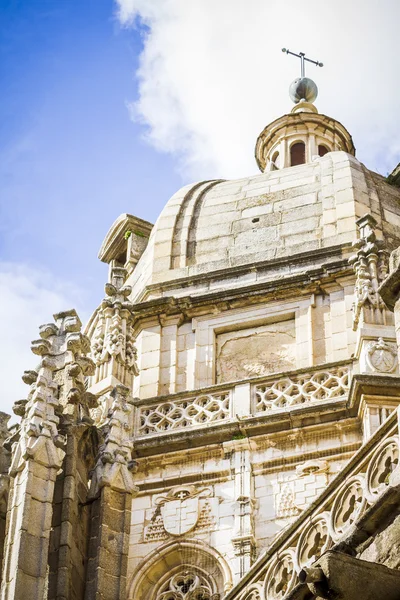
column 181, row 511
column 256, row 351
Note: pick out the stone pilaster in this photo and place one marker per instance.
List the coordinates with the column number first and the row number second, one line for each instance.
column 243, row 535
column 112, row 488
column 37, row 457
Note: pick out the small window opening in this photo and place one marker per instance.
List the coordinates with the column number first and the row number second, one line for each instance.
column 322, row 150
column 275, row 161
column 255, row 220
column 297, row 154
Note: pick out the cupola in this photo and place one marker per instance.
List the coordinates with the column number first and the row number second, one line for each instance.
column 302, row 135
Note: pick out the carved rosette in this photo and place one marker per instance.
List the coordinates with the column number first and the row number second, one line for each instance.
column 112, row 346
column 370, row 265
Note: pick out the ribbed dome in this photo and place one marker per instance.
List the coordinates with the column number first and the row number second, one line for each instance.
column 217, row 226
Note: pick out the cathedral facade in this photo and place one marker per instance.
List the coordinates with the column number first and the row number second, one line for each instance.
column 226, row 426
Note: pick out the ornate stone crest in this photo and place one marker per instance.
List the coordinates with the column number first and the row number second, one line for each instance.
column 180, row 509
column 381, row 356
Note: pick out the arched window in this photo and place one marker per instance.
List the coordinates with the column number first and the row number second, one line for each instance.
column 322, row 150
column 275, row 165
column 185, row 585
column 297, row 154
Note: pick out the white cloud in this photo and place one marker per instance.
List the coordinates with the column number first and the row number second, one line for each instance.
column 28, row 298
column 212, row 74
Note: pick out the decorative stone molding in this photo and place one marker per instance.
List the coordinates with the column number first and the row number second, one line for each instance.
column 111, row 333
column 253, row 593
column 286, row 502
column 317, row 386
column 182, row 413
column 126, row 241
column 114, row 465
column 184, row 555
column 313, row 541
column 280, row 577
column 312, row 467
column 331, row 518
column 370, row 264
column 244, row 547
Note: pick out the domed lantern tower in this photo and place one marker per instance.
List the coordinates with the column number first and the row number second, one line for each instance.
column 302, row 135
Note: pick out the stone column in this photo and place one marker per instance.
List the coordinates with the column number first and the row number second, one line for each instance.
column 112, row 488
column 37, row 456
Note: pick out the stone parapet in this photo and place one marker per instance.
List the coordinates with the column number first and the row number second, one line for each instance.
column 261, row 395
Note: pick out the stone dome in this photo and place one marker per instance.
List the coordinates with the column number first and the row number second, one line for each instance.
column 238, row 231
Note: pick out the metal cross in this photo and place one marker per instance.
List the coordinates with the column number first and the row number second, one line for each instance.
column 303, row 58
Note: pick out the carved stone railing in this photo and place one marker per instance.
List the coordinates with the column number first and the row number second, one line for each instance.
column 242, row 399
column 329, row 520
column 321, row 384
column 184, row 412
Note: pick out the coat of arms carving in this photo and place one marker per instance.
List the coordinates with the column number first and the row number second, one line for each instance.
column 382, row 357
column 180, row 509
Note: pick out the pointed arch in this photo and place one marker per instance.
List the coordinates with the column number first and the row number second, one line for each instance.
column 174, row 555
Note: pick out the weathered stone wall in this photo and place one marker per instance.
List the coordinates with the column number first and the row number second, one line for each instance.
column 176, row 356
column 281, row 476
column 255, row 351
column 385, row 547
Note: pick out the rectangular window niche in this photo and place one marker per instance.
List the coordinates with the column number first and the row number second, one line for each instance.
column 245, row 343
column 256, row 351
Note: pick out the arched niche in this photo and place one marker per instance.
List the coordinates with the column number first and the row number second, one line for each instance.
column 175, row 557
column 323, row 149
column 297, row 154
column 275, row 161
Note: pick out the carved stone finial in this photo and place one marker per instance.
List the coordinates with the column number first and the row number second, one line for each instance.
column 370, row 263
column 56, row 385
column 112, row 346
column 114, row 464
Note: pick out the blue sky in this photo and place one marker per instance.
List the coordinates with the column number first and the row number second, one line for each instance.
column 72, row 160
column 109, row 106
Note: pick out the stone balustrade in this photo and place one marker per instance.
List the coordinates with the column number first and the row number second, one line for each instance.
column 244, row 399
column 186, row 412
column 331, row 519
column 320, row 385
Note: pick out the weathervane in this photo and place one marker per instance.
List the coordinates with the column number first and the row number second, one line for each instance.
column 303, row 89
column 303, row 58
